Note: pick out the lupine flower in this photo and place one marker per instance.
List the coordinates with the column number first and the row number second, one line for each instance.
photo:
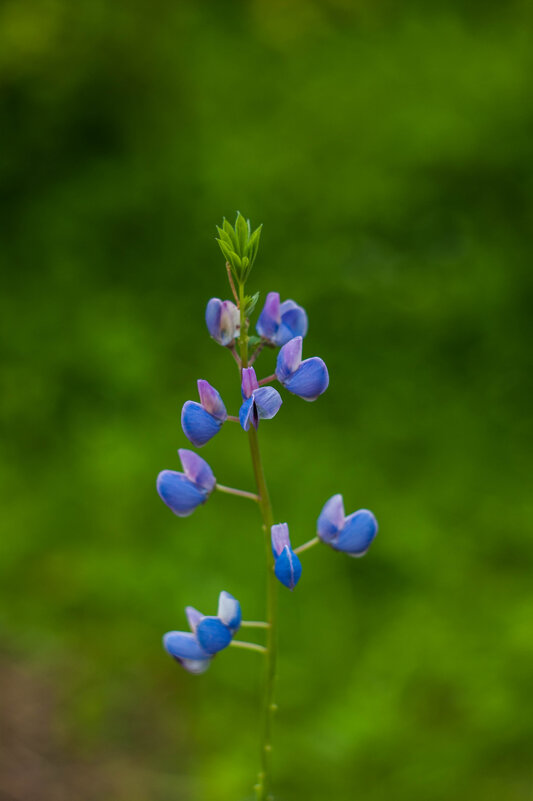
column 287, row 566
column 280, row 322
column 209, row 634
column 260, row 403
column 352, row 534
column 183, row 492
column 223, row 320
column 308, row 378
column 201, row 421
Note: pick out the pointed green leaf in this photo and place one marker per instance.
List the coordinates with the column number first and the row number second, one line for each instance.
column 253, row 244
column 250, row 303
column 231, row 233
column 225, row 237
column 243, row 232
column 227, row 252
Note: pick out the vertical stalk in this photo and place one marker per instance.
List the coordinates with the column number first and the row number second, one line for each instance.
column 264, row 778
column 263, row 786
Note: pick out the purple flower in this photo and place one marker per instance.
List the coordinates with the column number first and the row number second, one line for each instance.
column 352, row 534
column 210, row 634
column 308, row 378
column 223, row 321
column 260, row 403
column 280, row 322
column 287, row 566
column 183, row 492
column 201, row 421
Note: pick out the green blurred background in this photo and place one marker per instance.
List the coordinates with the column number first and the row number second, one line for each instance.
column 387, row 148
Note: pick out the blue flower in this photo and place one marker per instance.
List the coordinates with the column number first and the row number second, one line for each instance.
column 287, row 566
column 352, row 534
column 260, row 403
column 223, row 321
column 280, row 322
column 209, row 635
column 183, row 492
column 308, row 378
column 201, row 421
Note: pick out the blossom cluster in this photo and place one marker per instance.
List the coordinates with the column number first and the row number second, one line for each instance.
column 282, row 325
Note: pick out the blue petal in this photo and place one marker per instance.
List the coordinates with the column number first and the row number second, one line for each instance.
column 310, row 380
column 289, row 359
column 179, row 494
column 198, row 425
column 280, row 538
column 229, row 611
column 269, row 319
column 293, row 322
column 268, row 400
column 358, row 533
column 212, row 634
column 222, row 319
column 212, row 317
column 193, row 617
column 197, row 470
column 248, row 382
column 211, row 400
column 195, row 666
column 229, row 322
column 288, row 568
column 248, row 414
column 331, row 519
column 183, row 645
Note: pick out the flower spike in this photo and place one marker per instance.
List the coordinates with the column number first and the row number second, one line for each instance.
column 223, row 321
column 260, row 403
column 280, row 322
column 201, row 421
column 287, row 566
column 210, row 635
column 183, row 492
column 308, row 379
column 353, row 534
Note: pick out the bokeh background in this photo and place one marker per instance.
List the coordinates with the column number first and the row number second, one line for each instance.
column 387, row 148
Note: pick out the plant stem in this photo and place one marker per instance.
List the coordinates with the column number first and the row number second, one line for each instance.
column 243, row 336
column 267, row 380
column 230, row 279
column 264, row 780
column 307, row 545
column 253, row 624
column 256, row 353
column 241, row 493
column 235, row 355
column 249, row 646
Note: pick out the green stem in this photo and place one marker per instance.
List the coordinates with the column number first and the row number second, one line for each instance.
column 248, row 646
column 243, row 336
column 240, row 493
column 307, row 545
column 253, row 624
column 264, row 781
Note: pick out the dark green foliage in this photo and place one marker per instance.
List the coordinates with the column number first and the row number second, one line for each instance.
column 387, row 150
